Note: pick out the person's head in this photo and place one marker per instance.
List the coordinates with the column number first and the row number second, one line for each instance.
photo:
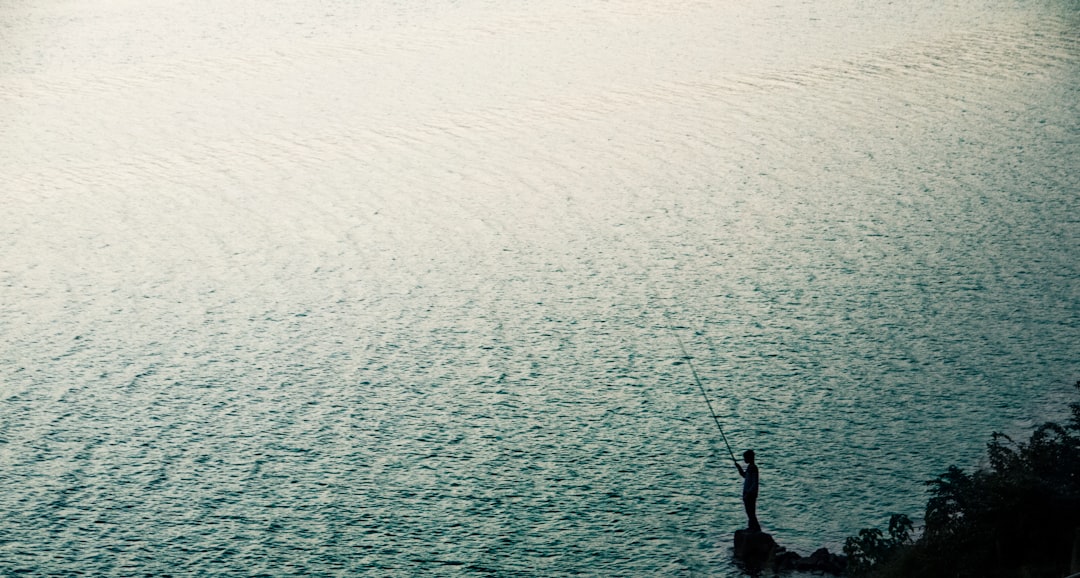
column 748, row 455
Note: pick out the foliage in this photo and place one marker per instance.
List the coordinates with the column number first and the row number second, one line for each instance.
column 1018, row 517
column 871, row 547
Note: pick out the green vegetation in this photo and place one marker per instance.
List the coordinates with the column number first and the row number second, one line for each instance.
column 1020, row 517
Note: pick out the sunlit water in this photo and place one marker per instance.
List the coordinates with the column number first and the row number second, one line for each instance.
column 396, row 288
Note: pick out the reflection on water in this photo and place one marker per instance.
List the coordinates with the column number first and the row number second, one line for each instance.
column 319, row 289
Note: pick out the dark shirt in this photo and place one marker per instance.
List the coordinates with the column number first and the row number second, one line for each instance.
column 750, row 479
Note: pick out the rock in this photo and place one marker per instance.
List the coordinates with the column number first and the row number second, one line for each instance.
column 758, row 551
column 822, row 561
column 786, row 561
column 754, row 546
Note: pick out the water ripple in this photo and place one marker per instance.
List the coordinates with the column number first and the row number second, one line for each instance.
column 392, row 289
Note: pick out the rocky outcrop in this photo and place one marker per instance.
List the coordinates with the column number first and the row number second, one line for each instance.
column 754, row 546
column 758, row 551
column 820, row 561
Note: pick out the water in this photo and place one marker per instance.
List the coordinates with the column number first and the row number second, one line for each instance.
column 393, row 288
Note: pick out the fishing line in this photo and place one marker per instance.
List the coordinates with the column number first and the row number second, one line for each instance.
column 705, row 395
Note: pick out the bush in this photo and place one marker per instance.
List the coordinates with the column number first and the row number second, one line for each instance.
column 1016, row 518
column 871, row 548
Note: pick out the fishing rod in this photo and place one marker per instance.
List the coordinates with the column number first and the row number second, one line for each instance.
column 706, row 396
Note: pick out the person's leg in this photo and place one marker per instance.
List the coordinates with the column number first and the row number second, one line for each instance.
column 750, row 501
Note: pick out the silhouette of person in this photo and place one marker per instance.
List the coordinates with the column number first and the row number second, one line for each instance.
column 750, row 489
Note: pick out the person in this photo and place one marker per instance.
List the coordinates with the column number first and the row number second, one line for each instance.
column 750, row 489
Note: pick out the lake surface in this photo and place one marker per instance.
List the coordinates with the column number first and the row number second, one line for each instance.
column 397, row 287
